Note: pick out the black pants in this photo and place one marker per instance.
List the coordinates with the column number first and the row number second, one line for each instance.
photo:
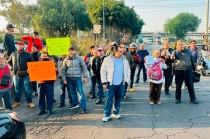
column 132, row 76
column 155, row 90
column 180, row 77
column 34, row 86
column 168, row 77
column 140, row 67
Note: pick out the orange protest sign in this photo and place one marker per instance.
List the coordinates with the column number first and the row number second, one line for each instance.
column 41, row 71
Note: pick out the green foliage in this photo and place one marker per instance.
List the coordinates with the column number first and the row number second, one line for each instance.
column 181, row 24
column 119, row 19
column 60, row 17
column 19, row 14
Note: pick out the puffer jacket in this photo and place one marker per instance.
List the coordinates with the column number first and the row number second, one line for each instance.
column 18, row 61
column 73, row 67
column 107, row 70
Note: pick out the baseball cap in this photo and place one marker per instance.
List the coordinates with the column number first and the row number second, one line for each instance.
column 20, row 43
column 100, row 49
column 72, row 48
column 113, row 44
column 10, row 26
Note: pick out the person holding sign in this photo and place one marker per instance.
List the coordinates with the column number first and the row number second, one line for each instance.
column 155, row 72
column 46, row 90
column 18, row 61
column 72, row 70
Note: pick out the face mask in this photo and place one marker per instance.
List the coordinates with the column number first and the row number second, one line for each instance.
column 132, row 52
column 45, row 59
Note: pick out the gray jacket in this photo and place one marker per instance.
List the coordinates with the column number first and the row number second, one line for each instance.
column 183, row 60
column 107, row 70
column 75, row 67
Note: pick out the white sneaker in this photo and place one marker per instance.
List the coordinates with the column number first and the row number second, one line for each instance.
column 117, row 116
column 105, row 119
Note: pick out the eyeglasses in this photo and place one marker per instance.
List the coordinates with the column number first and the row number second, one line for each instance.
column 122, row 47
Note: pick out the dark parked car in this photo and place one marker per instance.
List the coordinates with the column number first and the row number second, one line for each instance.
column 10, row 125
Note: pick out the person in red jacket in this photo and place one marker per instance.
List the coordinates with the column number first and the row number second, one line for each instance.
column 33, row 41
column 5, row 85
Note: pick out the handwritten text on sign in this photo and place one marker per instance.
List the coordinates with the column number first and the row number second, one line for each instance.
column 58, row 46
column 41, row 71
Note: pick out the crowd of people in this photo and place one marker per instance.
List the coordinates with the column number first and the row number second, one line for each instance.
column 110, row 71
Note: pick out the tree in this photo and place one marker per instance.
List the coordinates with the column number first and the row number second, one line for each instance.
column 61, row 17
column 181, row 24
column 18, row 14
column 120, row 20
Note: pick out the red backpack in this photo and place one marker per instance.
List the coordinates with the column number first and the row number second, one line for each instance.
column 155, row 72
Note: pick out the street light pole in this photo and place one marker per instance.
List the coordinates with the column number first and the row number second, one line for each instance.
column 207, row 20
column 104, row 22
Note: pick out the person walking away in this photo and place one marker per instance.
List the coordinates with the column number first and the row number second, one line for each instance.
column 184, row 67
column 130, row 62
column 115, row 73
column 5, row 85
column 136, row 59
column 46, row 91
column 8, row 42
column 166, row 52
column 73, row 69
column 33, row 40
column 205, row 55
column 36, row 56
column 142, row 53
column 18, row 61
column 155, row 73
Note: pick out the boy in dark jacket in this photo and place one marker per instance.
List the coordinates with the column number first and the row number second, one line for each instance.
column 36, row 56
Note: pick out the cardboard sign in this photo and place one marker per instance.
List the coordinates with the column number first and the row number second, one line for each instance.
column 149, row 60
column 58, row 46
column 41, row 71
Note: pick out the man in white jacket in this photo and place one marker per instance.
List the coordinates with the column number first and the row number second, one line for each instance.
column 115, row 73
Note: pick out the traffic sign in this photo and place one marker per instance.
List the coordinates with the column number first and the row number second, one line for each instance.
column 97, row 29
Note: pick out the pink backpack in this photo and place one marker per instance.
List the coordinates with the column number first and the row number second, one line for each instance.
column 155, row 72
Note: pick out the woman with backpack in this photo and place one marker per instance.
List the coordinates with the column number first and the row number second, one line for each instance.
column 155, row 72
column 5, row 84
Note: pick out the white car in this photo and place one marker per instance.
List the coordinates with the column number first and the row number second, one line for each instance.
column 2, row 48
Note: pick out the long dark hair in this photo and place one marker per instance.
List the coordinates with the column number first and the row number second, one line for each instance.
column 204, row 47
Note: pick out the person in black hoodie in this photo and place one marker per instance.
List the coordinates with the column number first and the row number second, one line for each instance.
column 136, row 59
column 96, row 63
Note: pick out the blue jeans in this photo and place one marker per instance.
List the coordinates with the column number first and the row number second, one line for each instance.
column 117, row 92
column 62, row 93
column 46, row 90
column 24, row 82
column 76, row 85
column 140, row 67
column 97, row 81
column 5, row 96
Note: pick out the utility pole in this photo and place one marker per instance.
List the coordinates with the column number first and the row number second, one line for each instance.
column 207, row 22
column 104, row 22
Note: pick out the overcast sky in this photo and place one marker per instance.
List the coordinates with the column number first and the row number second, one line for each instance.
column 156, row 12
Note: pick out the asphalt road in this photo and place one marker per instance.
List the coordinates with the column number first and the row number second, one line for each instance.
column 140, row 120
